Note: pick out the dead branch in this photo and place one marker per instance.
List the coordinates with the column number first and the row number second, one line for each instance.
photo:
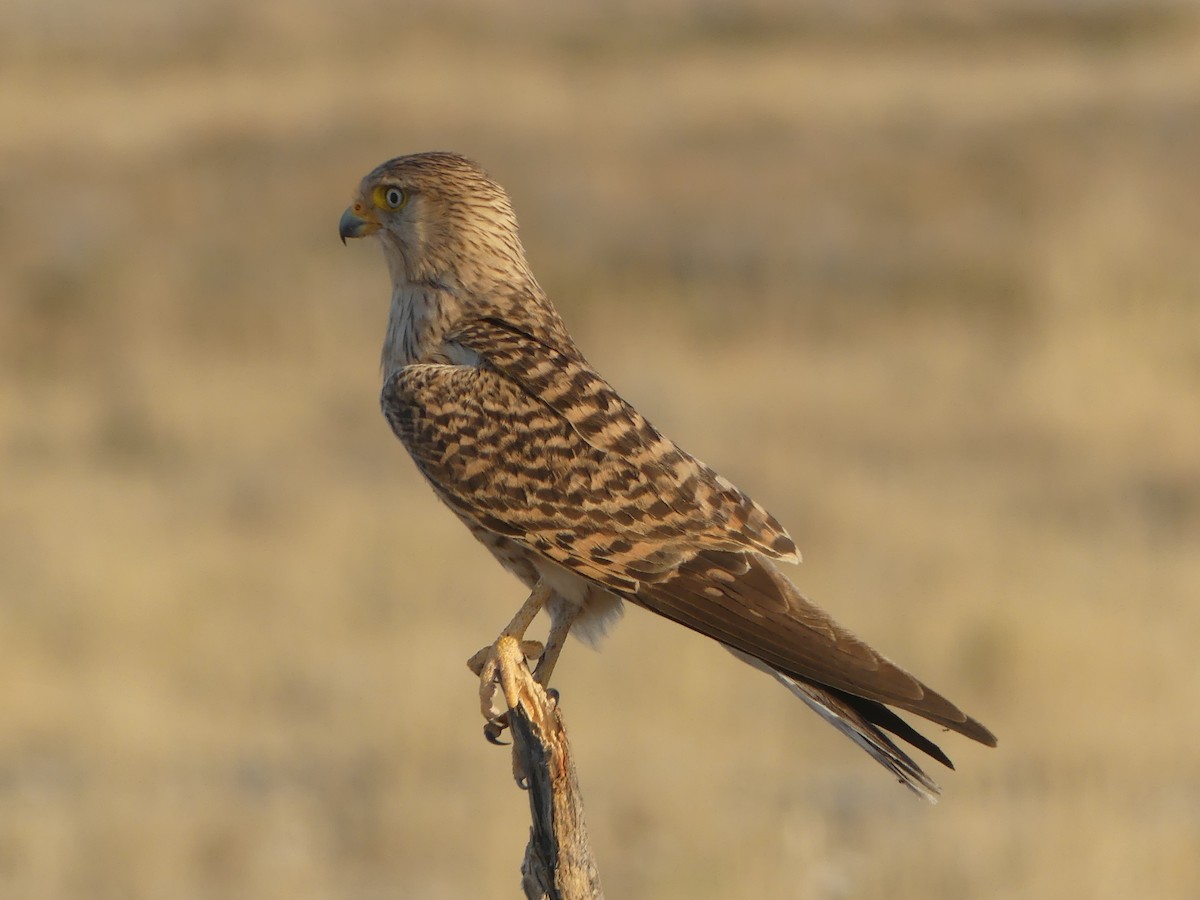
column 558, row 863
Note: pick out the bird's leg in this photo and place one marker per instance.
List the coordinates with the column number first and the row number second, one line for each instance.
column 486, row 662
column 560, row 626
column 516, row 628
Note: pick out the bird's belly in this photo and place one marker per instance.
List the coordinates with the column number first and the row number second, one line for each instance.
column 598, row 609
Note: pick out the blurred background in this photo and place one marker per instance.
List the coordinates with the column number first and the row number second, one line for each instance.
column 921, row 278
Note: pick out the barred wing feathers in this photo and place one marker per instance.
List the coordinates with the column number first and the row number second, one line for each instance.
column 532, row 444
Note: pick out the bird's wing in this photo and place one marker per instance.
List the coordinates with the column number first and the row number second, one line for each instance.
column 746, row 603
column 700, row 507
column 534, row 445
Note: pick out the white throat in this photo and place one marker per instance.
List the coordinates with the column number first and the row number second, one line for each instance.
column 416, row 322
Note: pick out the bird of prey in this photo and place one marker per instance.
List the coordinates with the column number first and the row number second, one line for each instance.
column 572, row 490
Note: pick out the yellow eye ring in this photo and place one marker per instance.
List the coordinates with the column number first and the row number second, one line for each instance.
column 389, row 197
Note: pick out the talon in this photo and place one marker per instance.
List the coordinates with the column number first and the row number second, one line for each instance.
column 494, row 728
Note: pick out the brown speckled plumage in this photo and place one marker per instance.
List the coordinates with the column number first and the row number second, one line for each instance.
column 568, row 485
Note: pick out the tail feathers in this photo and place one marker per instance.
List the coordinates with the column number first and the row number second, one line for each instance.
column 864, row 722
column 878, row 714
column 752, row 609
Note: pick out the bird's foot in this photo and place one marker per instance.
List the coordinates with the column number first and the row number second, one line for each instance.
column 486, row 664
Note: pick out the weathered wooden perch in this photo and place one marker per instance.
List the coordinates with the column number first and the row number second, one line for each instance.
column 558, row 862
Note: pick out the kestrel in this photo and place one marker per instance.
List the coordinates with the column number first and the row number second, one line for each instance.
column 572, row 490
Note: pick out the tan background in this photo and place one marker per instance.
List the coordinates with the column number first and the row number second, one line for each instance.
column 925, row 282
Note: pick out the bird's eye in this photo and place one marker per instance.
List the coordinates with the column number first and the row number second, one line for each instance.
column 390, row 197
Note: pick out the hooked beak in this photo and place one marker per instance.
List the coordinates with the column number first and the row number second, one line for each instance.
column 356, row 222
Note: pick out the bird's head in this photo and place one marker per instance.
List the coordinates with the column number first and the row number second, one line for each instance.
column 441, row 219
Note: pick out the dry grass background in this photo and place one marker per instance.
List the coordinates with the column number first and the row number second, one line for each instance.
column 924, row 281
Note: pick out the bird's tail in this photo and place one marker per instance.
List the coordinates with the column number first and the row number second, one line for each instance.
column 745, row 603
column 843, row 712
